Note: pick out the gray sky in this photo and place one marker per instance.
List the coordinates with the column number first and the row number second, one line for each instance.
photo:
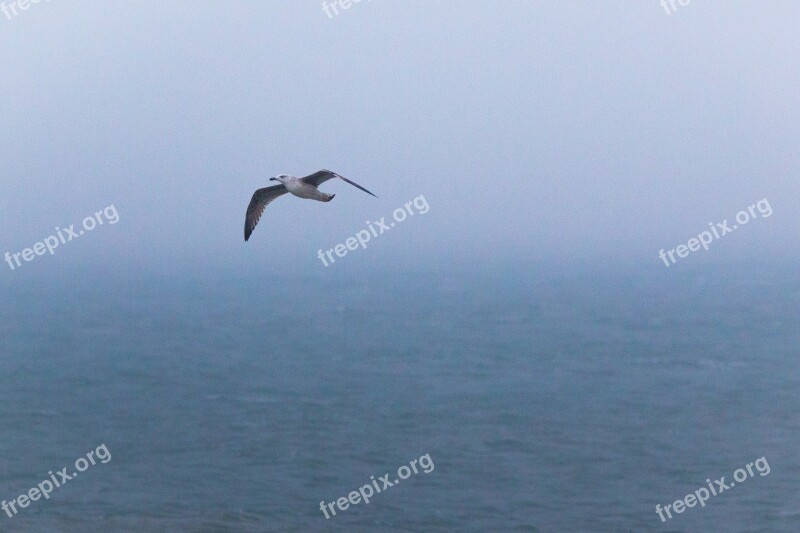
column 538, row 132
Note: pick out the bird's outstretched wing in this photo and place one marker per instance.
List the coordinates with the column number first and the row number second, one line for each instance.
column 321, row 176
column 261, row 199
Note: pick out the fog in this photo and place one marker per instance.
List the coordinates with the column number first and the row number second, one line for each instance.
column 537, row 132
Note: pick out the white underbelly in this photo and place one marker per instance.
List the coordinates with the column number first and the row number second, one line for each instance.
column 304, row 190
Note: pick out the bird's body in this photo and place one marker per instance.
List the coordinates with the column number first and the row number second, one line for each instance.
column 301, row 187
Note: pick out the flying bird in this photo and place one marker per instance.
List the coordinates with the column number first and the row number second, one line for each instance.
column 302, row 187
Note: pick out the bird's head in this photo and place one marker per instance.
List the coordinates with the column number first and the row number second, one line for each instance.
column 282, row 178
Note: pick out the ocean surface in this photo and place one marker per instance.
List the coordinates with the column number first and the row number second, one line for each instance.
column 564, row 402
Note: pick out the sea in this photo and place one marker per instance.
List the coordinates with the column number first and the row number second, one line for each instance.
column 562, row 400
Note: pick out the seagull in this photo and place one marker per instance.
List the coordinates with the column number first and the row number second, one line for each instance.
column 302, row 187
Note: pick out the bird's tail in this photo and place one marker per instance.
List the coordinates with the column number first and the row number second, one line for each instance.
column 329, row 198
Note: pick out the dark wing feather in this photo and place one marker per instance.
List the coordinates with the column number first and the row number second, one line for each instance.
column 321, row 176
column 261, row 199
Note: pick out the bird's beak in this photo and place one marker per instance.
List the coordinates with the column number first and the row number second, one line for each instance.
column 273, row 179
